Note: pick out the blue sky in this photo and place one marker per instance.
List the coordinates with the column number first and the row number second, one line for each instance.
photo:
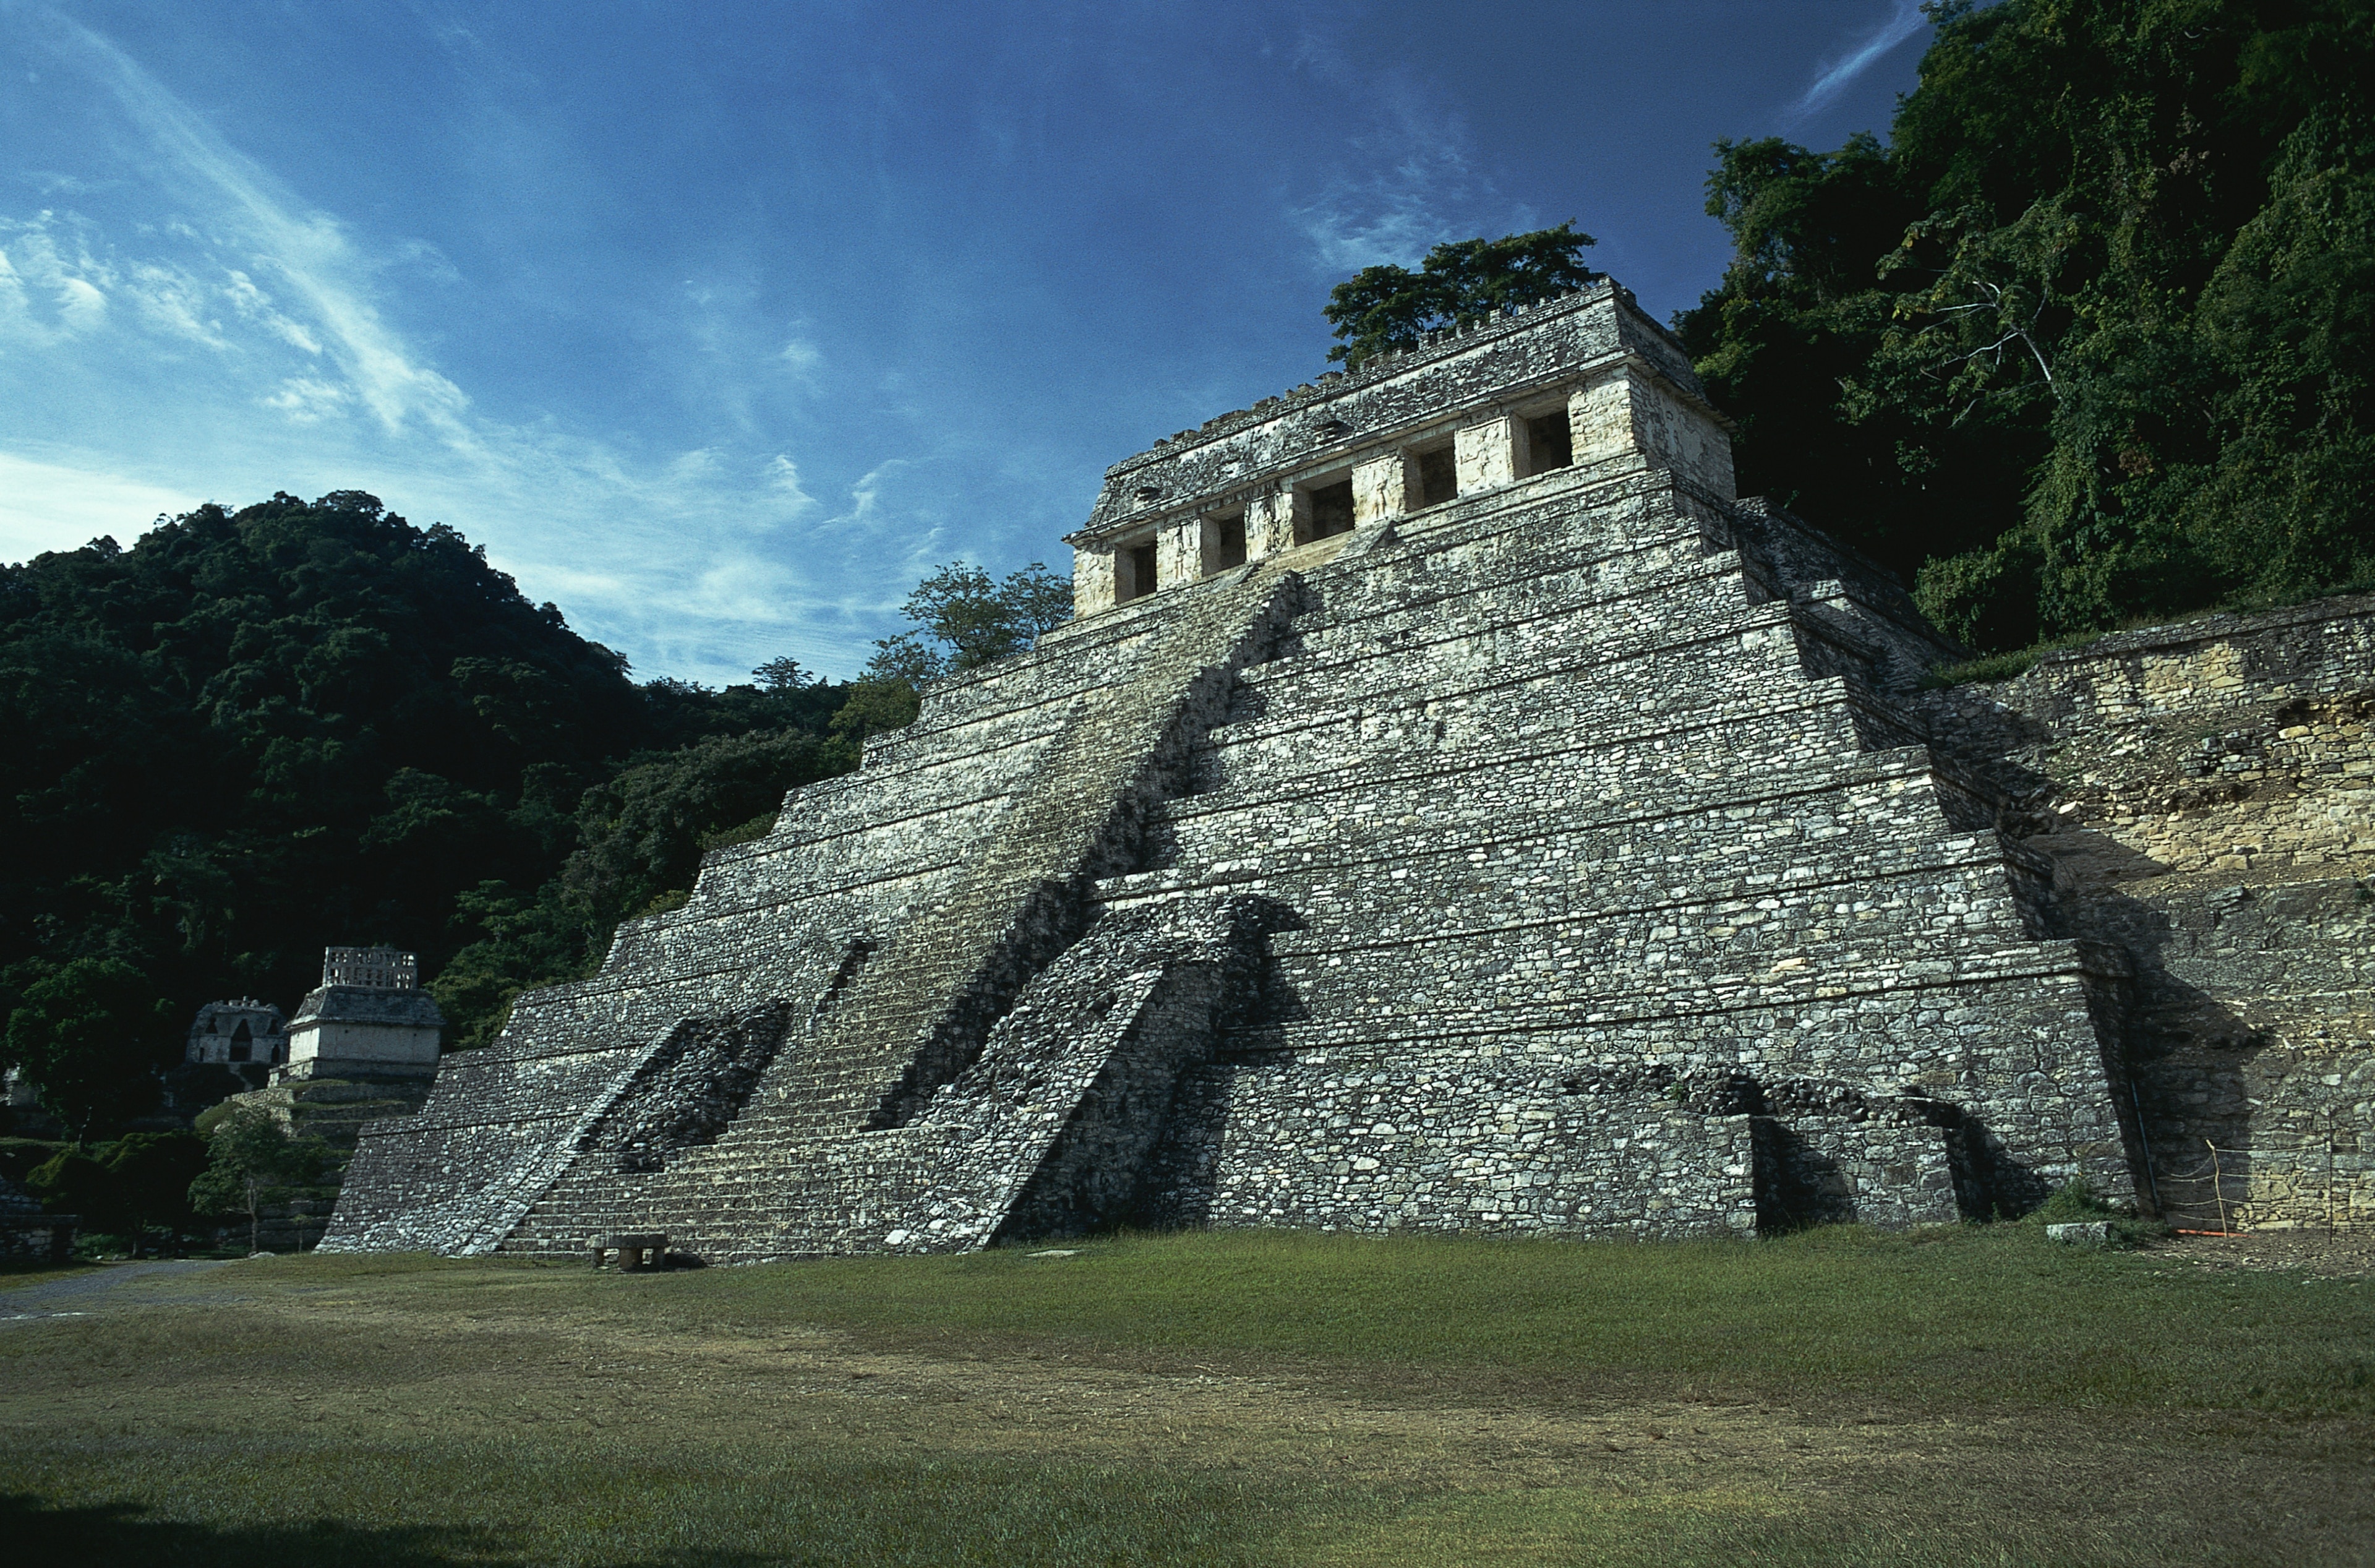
column 719, row 324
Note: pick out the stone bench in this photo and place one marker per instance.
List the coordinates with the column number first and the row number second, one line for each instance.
column 637, row 1251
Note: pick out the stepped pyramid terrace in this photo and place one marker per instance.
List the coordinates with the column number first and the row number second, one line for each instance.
column 1449, row 809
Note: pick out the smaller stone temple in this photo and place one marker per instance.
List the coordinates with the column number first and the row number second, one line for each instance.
column 367, row 1018
column 236, row 1033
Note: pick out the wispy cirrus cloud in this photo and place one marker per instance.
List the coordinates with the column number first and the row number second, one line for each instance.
column 1392, row 211
column 1408, row 179
column 51, row 287
column 308, row 250
column 254, row 313
column 1833, row 76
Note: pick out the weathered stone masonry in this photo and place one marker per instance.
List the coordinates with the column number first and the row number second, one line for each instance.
column 2204, row 795
column 1450, row 809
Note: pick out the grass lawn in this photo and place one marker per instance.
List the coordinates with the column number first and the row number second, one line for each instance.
column 1951, row 1396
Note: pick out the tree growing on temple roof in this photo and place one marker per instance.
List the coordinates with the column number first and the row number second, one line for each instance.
column 1461, row 282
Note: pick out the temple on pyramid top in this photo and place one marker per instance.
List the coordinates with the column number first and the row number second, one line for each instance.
column 1451, row 809
column 1585, row 386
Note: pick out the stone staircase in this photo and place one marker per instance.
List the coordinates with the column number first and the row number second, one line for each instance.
column 810, row 1153
column 1630, row 796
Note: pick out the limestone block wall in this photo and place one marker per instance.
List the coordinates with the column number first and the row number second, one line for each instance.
column 328, row 1047
column 2203, row 795
column 1620, row 410
column 1576, row 856
column 1459, row 1142
column 1628, row 390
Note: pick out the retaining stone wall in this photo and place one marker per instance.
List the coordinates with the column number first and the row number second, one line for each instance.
column 2203, row 798
column 1576, row 857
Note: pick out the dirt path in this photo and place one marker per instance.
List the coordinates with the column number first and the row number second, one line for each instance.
column 98, row 1289
column 2331, row 1254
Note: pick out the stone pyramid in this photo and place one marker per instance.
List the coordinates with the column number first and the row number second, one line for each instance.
column 1449, row 809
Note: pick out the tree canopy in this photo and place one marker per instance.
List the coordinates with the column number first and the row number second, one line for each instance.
column 252, row 1160
column 1459, row 283
column 255, row 732
column 2088, row 338
column 960, row 618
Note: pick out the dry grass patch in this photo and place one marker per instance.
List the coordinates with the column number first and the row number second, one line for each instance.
column 1210, row 1398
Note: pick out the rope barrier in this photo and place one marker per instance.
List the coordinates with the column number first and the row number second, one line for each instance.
column 2214, row 1172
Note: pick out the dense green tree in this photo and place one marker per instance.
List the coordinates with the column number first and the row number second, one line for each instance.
column 2085, row 340
column 1459, row 283
column 783, row 675
column 75, row 1181
column 125, row 1187
column 962, row 618
column 91, row 1034
column 255, row 732
column 153, row 1171
column 253, row 1161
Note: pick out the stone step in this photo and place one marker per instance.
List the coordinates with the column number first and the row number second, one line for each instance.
column 1933, row 1000
column 1450, row 751
column 1406, row 875
column 1792, row 810
column 1750, row 648
column 943, row 968
column 1675, row 575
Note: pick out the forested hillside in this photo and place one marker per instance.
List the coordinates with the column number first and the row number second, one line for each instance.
column 2089, row 338
column 2092, row 337
column 255, row 733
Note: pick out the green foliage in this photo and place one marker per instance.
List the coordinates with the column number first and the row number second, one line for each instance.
column 1460, row 283
column 757, row 827
column 2071, row 1201
column 88, row 1033
column 252, row 1160
column 74, row 1181
column 962, row 618
column 20, row 1156
column 878, row 702
column 1987, row 668
column 2089, row 340
column 2074, row 1202
column 640, row 838
column 640, row 833
column 153, row 1172
column 254, row 733
column 783, row 675
column 125, row 1187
